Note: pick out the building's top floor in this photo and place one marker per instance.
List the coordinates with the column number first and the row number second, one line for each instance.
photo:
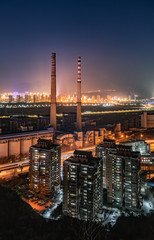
column 138, row 145
column 134, row 155
column 83, row 154
column 111, row 144
column 107, row 143
column 131, row 146
column 83, row 158
column 45, row 144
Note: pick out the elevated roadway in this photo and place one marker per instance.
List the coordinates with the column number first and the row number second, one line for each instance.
column 20, row 165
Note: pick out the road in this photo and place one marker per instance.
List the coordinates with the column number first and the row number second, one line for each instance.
column 8, row 166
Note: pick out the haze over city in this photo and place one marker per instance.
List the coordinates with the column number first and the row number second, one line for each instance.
column 114, row 38
column 76, row 119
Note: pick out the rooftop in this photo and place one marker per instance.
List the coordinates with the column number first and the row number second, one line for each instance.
column 45, row 144
column 83, row 154
column 83, row 157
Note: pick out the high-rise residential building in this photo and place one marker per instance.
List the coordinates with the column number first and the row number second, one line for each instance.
column 126, row 178
column 121, row 174
column 11, row 98
column 45, row 163
column 93, row 99
column 138, row 146
column 27, row 98
column 105, row 151
column 147, row 165
column 35, row 98
column 98, row 98
column 82, row 186
column 18, row 98
column 109, row 99
column 132, row 182
column 146, row 161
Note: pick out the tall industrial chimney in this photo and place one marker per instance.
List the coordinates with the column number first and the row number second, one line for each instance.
column 79, row 124
column 53, row 91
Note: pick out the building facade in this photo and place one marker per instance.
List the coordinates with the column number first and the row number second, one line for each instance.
column 82, row 186
column 121, row 174
column 146, row 157
column 45, row 163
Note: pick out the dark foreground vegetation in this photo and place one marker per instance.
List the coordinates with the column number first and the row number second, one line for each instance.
column 18, row 221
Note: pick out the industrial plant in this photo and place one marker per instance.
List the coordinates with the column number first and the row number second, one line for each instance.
column 91, row 169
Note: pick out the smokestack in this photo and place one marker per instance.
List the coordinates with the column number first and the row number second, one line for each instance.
column 79, row 124
column 53, row 91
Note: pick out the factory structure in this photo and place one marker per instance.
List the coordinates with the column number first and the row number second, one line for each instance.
column 112, row 177
column 80, row 138
column 53, row 121
column 15, row 147
column 79, row 122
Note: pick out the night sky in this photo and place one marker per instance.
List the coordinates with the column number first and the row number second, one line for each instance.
column 115, row 40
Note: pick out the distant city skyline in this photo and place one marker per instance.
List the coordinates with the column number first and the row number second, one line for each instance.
column 114, row 39
column 87, row 97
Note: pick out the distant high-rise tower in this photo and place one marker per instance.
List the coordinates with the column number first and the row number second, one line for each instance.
column 53, row 91
column 79, row 123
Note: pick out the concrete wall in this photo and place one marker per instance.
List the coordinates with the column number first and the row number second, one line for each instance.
column 25, row 145
column 150, row 121
column 49, row 137
column 3, row 149
column 144, row 120
column 147, row 121
column 34, row 140
column 18, row 148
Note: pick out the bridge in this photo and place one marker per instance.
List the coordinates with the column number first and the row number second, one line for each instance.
column 19, row 167
column 10, row 166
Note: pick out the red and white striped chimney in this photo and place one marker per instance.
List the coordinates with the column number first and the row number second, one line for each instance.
column 79, row 123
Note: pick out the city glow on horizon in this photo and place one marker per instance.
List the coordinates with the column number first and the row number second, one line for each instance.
column 30, row 97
